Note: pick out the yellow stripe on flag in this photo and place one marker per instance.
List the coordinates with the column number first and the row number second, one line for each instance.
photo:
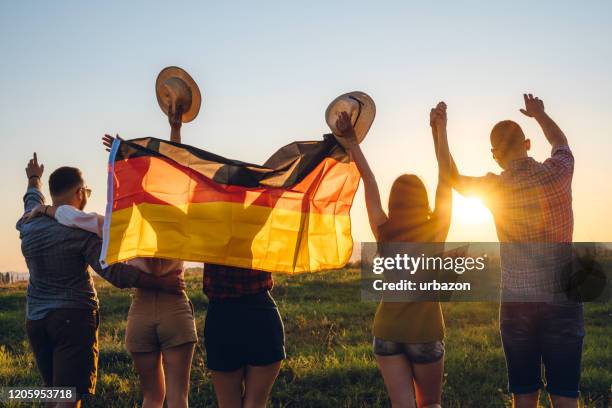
column 233, row 234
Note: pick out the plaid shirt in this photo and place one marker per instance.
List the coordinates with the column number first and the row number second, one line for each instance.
column 531, row 203
column 57, row 259
column 226, row 282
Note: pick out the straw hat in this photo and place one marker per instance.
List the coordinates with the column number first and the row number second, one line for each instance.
column 359, row 106
column 174, row 86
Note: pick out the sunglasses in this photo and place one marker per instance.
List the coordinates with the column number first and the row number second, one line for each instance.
column 87, row 191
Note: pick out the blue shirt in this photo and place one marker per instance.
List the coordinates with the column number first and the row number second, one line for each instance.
column 58, row 258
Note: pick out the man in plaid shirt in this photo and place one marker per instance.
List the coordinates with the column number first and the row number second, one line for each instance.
column 531, row 203
column 62, row 318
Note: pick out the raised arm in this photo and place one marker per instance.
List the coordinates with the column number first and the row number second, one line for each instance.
column 470, row 185
column 444, row 197
column 482, row 186
column 376, row 214
column 34, row 172
column 33, row 197
column 174, row 118
column 458, row 182
column 534, row 108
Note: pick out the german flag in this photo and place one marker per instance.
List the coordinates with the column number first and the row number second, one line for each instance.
column 170, row 200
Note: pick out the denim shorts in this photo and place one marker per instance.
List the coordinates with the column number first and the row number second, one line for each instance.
column 417, row 353
column 543, row 333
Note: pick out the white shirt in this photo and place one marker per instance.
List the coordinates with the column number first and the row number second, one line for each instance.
column 72, row 217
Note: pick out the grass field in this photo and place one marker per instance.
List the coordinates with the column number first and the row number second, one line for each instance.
column 330, row 363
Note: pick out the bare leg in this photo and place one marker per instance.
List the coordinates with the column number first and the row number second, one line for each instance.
column 177, row 369
column 397, row 373
column 428, row 383
column 563, row 402
column 525, row 400
column 151, row 375
column 258, row 384
column 228, row 388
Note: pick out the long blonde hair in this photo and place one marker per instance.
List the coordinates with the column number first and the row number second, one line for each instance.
column 409, row 211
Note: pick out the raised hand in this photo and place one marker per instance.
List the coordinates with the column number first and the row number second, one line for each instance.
column 33, row 169
column 437, row 116
column 175, row 116
column 107, row 141
column 347, row 137
column 534, row 107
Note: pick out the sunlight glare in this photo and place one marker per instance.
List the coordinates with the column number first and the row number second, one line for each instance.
column 470, row 210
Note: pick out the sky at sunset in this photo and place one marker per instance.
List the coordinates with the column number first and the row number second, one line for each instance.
column 72, row 71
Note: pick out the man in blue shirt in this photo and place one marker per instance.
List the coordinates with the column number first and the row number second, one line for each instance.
column 62, row 303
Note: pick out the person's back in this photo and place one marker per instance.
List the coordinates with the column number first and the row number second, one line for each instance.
column 62, row 306
column 531, row 202
column 400, row 320
column 407, row 336
column 56, row 259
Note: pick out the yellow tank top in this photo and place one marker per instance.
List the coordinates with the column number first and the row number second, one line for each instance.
column 407, row 322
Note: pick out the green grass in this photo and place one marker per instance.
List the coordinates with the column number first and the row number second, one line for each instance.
column 330, row 363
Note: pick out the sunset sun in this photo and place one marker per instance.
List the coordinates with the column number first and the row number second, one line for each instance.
column 470, row 210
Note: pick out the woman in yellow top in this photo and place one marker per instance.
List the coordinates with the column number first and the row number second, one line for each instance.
column 408, row 336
